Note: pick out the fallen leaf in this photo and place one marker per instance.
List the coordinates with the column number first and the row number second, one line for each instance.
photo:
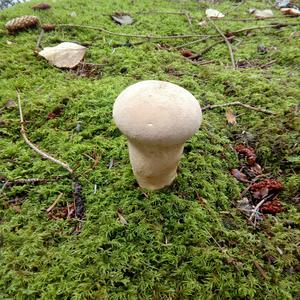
column 256, row 168
column 41, row 6
column 261, row 193
column 262, row 14
column 291, row 11
column 122, row 19
column 10, row 103
column 244, row 206
column 121, row 218
column 239, row 175
column 58, row 111
column 230, row 116
column 186, row 53
column 64, row 55
column 214, row 14
column 282, row 3
column 73, row 14
column 202, row 23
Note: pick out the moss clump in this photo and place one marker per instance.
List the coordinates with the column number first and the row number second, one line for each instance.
column 173, row 247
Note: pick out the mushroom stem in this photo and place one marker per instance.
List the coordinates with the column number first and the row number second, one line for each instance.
column 154, row 167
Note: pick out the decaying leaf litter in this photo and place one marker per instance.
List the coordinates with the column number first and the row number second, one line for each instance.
column 229, row 38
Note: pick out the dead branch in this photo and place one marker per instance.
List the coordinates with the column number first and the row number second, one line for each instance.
column 237, row 103
column 191, row 43
column 205, row 50
column 189, row 19
column 39, row 40
column 54, row 203
column 272, row 25
column 4, row 186
column 226, row 40
column 149, row 37
column 32, row 146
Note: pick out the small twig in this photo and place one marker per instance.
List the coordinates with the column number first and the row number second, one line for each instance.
column 256, row 208
column 260, row 269
column 268, row 64
column 272, row 25
column 30, row 181
column 38, row 43
column 153, row 37
column 205, row 50
column 237, row 103
column 32, row 146
column 79, row 201
column 188, row 17
column 226, row 41
column 191, row 43
column 54, row 203
column 4, row 186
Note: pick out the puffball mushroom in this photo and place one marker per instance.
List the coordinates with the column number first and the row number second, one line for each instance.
column 157, row 117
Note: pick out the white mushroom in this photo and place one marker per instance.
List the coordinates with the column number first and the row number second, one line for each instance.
column 157, row 117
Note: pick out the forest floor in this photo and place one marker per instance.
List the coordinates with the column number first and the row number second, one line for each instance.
column 192, row 240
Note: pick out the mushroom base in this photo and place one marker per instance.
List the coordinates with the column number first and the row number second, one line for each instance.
column 154, row 167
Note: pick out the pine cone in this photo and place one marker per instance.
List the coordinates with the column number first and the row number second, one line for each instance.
column 21, row 23
column 41, row 6
column 48, row 27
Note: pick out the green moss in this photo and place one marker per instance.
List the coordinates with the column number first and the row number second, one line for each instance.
column 173, row 247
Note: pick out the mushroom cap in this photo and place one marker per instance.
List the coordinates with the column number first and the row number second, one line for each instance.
column 157, row 113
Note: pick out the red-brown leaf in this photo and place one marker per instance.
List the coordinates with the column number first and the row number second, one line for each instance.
column 239, row 175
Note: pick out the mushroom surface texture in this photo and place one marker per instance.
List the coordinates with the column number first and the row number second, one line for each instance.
column 157, row 117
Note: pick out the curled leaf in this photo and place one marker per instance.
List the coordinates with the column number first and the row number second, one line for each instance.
column 262, row 13
column 122, row 19
column 214, row 14
column 291, row 11
column 239, row 175
column 64, row 55
column 230, row 117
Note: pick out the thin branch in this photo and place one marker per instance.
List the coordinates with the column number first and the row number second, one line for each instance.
column 191, row 43
column 38, row 43
column 226, row 40
column 237, row 103
column 153, row 37
column 272, row 25
column 54, row 203
column 188, row 17
column 32, row 146
column 4, row 186
column 205, row 50
column 255, row 210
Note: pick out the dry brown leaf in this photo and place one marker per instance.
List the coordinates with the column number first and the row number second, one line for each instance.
column 214, row 14
column 64, row 55
column 239, row 175
column 291, row 11
column 230, row 116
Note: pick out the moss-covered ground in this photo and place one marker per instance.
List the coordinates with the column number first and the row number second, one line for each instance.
column 173, row 246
